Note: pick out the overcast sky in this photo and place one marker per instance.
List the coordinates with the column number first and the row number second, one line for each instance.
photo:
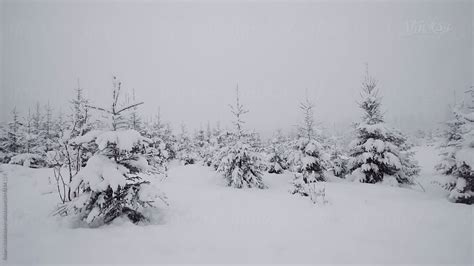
column 188, row 57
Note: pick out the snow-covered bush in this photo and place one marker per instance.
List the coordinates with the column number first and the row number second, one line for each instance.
column 114, row 181
column 378, row 152
column 240, row 163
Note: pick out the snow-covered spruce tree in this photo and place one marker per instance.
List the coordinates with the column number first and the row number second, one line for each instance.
column 112, row 183
column 13, row 138
column 276, row 155
column 208, row 132
column 28, row 140
column 379, row 153
column 201, row 143
column 458, row 155
column 206, row 152
column 170, row 140
column 81, row 123
column 185, row 150
column 240, row 163
column 134, row 119
column 452, row 142
column 4, row 156
column 338, row 160
column 220, row 139
column 225, row 139
column 37, row 121
column 307, row 158
column 162, row 131
column 410, row 167
column 200, row 138
column 28, row 155
column 158, row 152
column 50, row 137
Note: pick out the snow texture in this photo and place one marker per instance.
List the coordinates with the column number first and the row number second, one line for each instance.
column 207, row 222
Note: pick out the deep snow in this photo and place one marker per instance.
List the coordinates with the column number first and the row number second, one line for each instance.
column 211, row 223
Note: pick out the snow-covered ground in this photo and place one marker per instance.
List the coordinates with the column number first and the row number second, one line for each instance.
column 210, row 223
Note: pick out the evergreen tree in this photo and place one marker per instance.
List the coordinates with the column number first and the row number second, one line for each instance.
column 338, row 160
column 159, row 129
column 29, row 138
column 452, row 142
column 185, row 151
column 80, row 118
column 240, row 164
column 379, row 153
column 208, row 132
column 458, row 155
column 22, row 144
column 50, row 137
column 135, row 121
column 159, row 151
column 217, row 141
column 13, row 140
column 221, row 139
column 112, row 183
column 277, row 159
column 200, row 138
column 207, row 145
column 4, row 154
column 306, row 158
column 37, row 121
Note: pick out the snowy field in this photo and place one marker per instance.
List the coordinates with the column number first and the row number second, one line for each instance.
column 207, row 222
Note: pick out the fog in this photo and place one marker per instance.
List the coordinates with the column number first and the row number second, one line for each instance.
column 186, row 58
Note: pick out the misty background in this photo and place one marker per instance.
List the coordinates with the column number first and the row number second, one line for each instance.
column 186, row 58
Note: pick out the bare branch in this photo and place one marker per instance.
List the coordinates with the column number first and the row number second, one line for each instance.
column 98, row 108
column 129, row 107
